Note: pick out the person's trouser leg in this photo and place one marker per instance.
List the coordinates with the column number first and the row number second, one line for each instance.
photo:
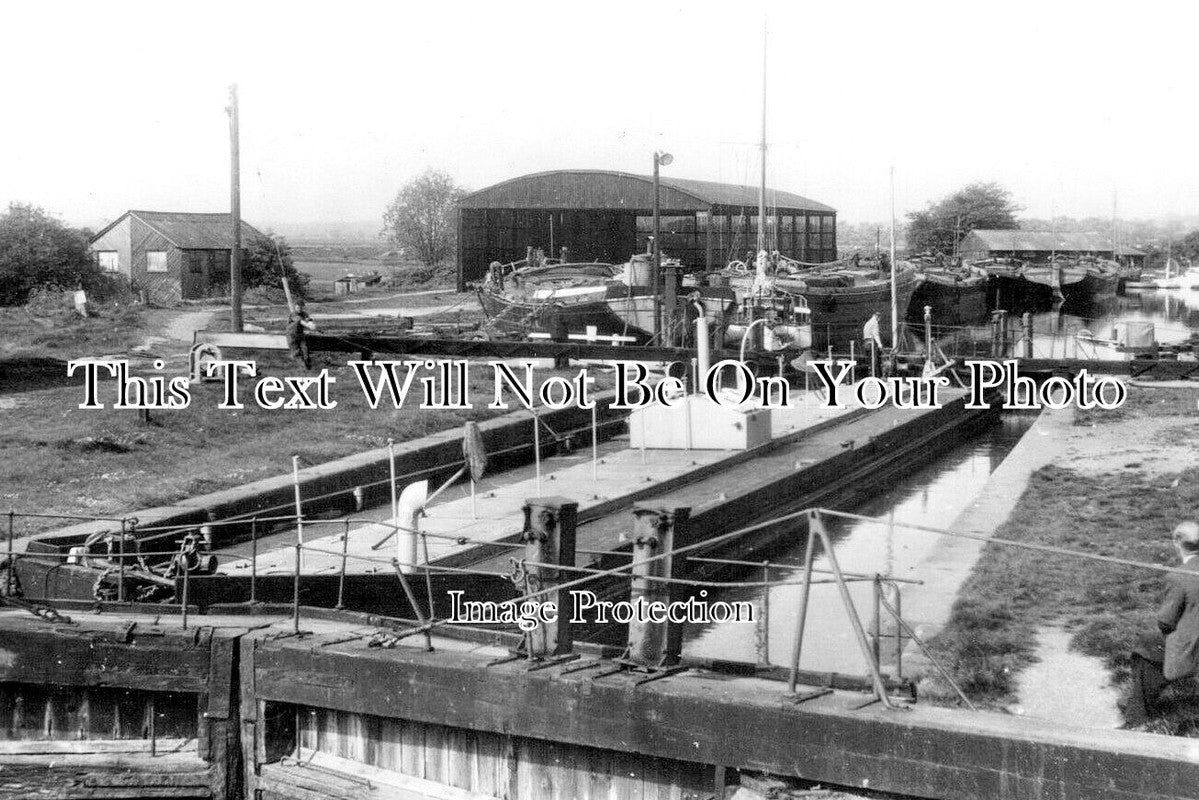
column 1148, row 680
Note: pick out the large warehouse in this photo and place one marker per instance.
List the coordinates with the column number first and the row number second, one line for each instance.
column 600, row 215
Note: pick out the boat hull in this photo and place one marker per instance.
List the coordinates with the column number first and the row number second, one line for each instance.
column 839, row 313
column 559, row 319
column 953, row 302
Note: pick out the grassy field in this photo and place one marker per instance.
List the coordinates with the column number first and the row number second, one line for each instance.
column 406, row 275
column 60, row 459
column 64, row 334
column 1108, row 608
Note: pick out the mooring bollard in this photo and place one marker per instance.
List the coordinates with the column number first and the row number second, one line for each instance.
column 549, row 538
column 653, row 645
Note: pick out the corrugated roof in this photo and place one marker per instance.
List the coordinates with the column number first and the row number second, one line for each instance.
column 191, row 231
column 595, row 189
column 1021, row 240
column 729, row 194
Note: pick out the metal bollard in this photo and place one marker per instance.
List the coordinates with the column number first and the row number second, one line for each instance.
column 653, row 645
column 549, row 538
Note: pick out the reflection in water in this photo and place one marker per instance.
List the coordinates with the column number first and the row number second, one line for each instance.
column 1174, row 314
column 931, row 496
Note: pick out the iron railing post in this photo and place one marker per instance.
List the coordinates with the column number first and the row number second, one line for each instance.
column 801, row 619
column 8, row 574
column 121, row 564
column 341, row 580
column 254, row 561
column 876, row 620
column 295, row 593
column 766, row 613
column 186, row 582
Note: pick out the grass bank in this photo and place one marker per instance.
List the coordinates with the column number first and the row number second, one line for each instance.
column 1012, row 592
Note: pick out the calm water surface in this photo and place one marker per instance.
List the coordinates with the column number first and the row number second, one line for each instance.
column 931, row 496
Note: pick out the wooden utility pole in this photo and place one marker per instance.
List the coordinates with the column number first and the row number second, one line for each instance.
column 234, row 212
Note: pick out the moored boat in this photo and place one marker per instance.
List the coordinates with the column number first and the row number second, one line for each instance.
column 557, row 299
column 957, row 293
column 841, row 296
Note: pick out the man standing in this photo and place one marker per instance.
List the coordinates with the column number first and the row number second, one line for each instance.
column 298, row 325
column 1178, row 619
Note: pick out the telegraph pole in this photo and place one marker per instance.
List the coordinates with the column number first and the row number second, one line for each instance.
column 234, row 212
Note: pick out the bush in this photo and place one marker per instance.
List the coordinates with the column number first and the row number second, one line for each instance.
column 36, row 249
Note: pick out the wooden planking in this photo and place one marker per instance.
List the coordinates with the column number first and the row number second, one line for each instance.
column 715, row 720
column 29, row 711
column 495, row 765
column 39, row 652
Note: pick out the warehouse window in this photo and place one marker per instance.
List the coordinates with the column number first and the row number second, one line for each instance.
column 156, row 261
column 109, row 260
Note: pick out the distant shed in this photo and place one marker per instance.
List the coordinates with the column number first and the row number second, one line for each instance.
column 1040, row 245
column 600, row 215
column 170, row 255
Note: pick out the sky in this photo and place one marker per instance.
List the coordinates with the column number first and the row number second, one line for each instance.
column 122, row 105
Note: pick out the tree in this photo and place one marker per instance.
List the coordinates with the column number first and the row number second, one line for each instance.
column 978, row 205
column 36, row 249
column 421, row 218
column 261, row 261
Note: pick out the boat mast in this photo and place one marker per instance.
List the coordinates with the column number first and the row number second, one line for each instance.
column 894, row 292
column 762, row 153
column 1115, row 231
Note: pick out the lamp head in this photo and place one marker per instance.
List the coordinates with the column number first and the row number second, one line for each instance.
column 663, row 158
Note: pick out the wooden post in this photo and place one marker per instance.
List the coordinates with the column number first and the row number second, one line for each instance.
column 653, row 645
column 1026, row 324
column 549, row 538
column 234, row 212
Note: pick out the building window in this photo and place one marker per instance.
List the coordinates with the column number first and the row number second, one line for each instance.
column 109, row 261
column 156, row 261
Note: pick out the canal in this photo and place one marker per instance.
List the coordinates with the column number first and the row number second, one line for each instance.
column 1173, row 313
column 933, row 495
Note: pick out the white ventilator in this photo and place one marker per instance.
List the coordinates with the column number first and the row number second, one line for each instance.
column 408, row 513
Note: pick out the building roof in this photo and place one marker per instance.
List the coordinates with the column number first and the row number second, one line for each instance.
column 190, row 231
column 1043, row 241
column 608, row 189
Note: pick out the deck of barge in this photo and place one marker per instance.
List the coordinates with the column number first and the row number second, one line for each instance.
column 805, row 435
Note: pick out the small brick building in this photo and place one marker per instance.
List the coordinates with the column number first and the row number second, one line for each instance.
column 170, row 255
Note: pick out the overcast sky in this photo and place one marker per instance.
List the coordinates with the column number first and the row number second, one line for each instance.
column 120, row 105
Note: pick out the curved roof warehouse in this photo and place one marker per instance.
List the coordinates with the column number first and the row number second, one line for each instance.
column 603, row 215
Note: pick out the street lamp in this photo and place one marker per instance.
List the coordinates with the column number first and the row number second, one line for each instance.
column 661, row 159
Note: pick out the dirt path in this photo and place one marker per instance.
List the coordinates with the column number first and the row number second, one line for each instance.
column 178, row 327
column 1064, row 684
